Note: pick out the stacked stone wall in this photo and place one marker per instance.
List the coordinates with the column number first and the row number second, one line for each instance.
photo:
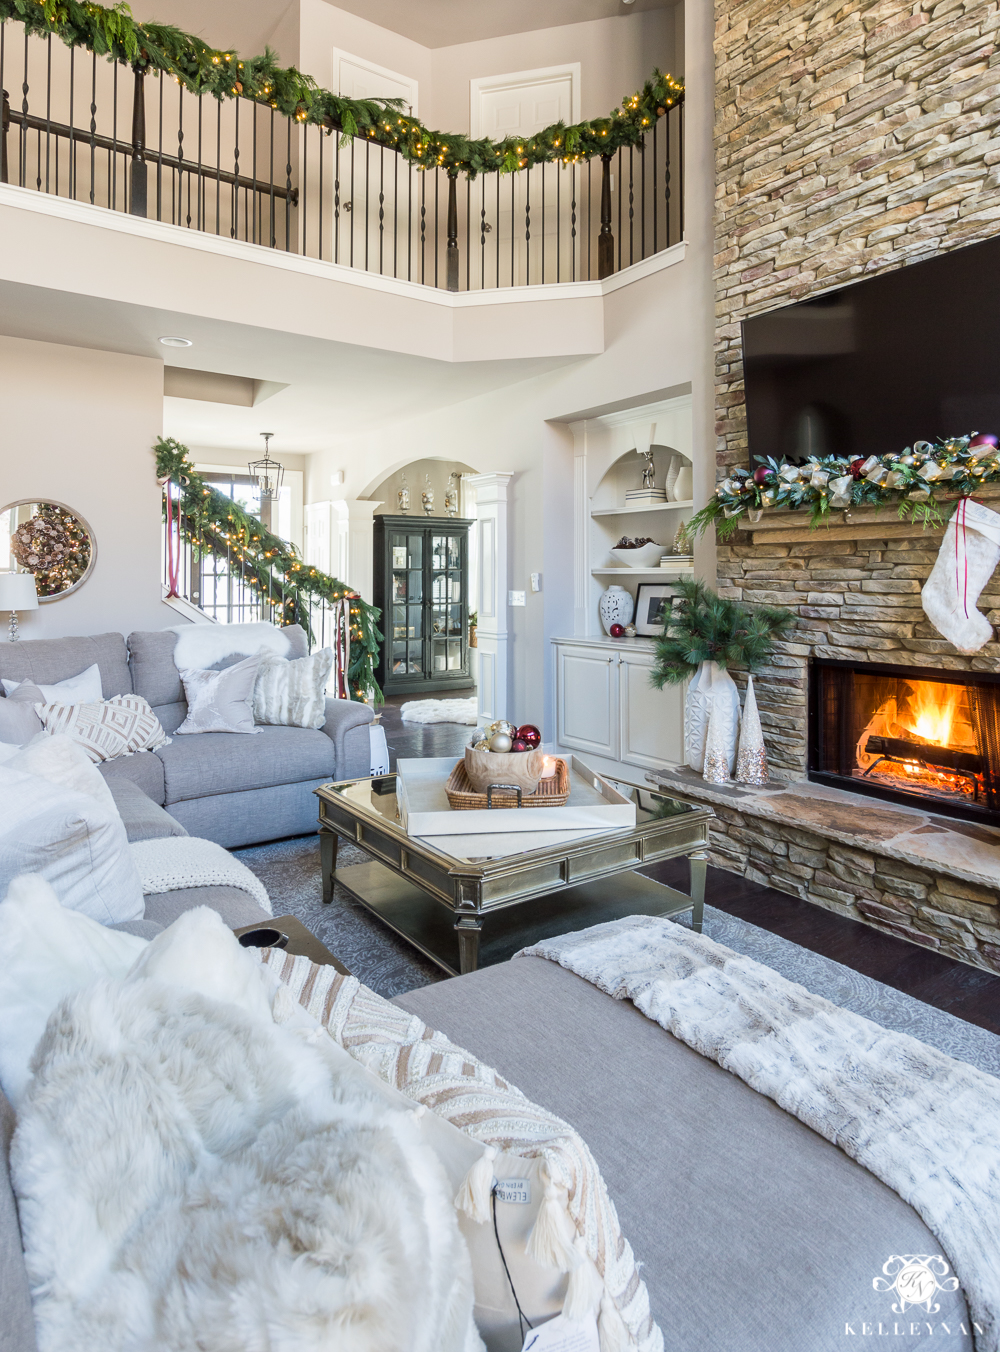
column 851, row 136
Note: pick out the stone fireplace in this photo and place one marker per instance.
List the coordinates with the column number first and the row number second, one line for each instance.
column 864, row 668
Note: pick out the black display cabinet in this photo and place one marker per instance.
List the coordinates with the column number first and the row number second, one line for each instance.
column 422, row 587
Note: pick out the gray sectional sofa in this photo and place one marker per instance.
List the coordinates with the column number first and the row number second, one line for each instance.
column 232, row 788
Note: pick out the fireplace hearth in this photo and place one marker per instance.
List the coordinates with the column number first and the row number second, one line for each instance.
column 924, row 736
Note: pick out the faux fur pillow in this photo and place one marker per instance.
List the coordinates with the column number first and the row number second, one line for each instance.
column 293, row 693
column 220, row 701
column 108, row 729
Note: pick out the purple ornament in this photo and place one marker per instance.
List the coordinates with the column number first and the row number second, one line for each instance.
column 617, row 631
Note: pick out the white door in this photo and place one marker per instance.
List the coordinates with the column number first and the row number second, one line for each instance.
column 587, row 700
column 652, row 721
column 358, row 79
column 525, row 101
column 318, row 541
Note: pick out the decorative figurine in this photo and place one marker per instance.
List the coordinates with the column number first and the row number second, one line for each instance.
column 403, row 496
column 451, row 495
column 427, row 496
column 649, row 471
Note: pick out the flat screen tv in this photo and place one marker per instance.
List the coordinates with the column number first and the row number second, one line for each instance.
column 909, row 355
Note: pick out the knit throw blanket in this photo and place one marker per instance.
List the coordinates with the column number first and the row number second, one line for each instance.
column 176, row 862
column 429, row 1069
column 927, row 1126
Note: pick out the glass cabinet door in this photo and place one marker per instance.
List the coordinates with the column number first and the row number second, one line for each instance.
column 407, row 592
column 446, row 603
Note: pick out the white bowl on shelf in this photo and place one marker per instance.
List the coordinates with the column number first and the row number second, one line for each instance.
column 646, row 556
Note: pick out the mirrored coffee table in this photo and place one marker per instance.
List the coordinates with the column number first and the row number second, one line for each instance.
column 463, row 906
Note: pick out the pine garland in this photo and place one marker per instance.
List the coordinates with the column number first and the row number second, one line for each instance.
column 215, row 524
column 201, row 69
column 910, row 479
column 706, row 627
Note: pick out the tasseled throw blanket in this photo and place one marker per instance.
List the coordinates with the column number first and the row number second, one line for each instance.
column 927, row 1126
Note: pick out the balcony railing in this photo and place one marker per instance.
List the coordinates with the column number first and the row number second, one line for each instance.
column 96, row 131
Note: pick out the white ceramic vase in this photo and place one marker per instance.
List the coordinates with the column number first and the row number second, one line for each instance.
column 684, row 483
column 712, row 692
column 671, row 477
column 616, row 607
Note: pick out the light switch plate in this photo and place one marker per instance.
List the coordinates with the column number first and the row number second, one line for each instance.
column 536, row 582
column 516, row 598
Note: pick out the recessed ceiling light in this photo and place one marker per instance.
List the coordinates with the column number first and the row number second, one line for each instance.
column 170, row 341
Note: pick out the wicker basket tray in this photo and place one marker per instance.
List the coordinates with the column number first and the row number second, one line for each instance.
column 551, row 792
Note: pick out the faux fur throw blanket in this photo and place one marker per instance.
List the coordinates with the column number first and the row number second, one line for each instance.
column 202, row 645
column 190, row 1175
column 927, row 1126
column 186, row 861
column 447, row 1080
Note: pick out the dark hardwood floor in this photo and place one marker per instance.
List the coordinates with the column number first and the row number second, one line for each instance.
column 939, row 981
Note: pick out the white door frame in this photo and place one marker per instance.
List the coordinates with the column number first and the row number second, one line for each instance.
column 491, row 547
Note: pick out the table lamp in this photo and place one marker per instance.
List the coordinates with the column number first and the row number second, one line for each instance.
column 17, row 592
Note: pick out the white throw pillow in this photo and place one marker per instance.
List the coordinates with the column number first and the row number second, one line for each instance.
column 49, row 952
column 61, row 761
column 220, row 701
column 74, row 841
column 292, row 693
column 107, row 728
column 74, row 690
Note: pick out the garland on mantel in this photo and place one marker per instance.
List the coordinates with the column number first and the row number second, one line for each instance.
column 162, row 48
column 215, row 524
column 826, row 483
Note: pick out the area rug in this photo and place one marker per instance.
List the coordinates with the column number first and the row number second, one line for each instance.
column 441, row 711
column 923, row 1123
column 290, row 871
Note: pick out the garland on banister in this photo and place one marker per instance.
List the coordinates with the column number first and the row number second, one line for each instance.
column 826, row 483
column 221, row 72
column 269, row 565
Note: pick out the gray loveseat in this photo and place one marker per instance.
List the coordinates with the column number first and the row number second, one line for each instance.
column 233, row 788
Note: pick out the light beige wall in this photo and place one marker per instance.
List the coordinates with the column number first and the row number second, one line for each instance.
column 615, row 56
column 250, row 25
column 324, row 27
column 79, row 426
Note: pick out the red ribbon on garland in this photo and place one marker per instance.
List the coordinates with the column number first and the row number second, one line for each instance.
column 342, row 646
column 173, row 545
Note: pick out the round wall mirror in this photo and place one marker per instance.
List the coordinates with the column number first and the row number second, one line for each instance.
column 49, row 540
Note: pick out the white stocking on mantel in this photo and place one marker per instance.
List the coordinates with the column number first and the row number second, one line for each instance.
column 968, row 555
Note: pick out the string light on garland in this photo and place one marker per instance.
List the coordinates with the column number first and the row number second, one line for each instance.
column 833, row 482
column 212, row 523
column 111, row 31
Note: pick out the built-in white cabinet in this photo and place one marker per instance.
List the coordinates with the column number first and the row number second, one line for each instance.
column 606, row 706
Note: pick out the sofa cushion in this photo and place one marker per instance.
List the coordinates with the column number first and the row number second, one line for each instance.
column 46, row 660
column 144, row 769
column 154, row 676
column 17, row 1324
column 226, row 762
column 236, row 907
column 18, row 720
column 143, row 819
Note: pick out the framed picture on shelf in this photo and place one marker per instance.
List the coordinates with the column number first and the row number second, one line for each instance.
column 652, row 607
column 399, row 556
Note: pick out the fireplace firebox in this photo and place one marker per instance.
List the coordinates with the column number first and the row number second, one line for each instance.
column 917, row 735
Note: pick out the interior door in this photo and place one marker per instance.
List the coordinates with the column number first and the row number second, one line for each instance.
column 587, row 700
column 652, row 721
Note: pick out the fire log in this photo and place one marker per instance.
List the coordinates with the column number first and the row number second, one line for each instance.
column 901, row 748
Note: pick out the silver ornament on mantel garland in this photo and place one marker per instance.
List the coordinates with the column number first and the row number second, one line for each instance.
column 751, row 762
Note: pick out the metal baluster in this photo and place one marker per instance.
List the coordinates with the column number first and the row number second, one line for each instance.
column 527, row 228
column 201, row 167
column 5, row 113
column 93, row 124
column 253, row 171
column 305, row 185
column 642, row 198
column 218, row 168
column 498, row 229
column 590, row 218
column 452, row 257
column 349, row 206
column 234, row 227
column 321, row 157
column 71, row 148
column 113, row 154
column 620, row 236
column 395, row 210
column 368, row 180
column 270, row 173
column 543, row 223
column 180, row 158
column 22, row 140
column 631, row 205
column 468, row 233
column 48, row 108
column 288, row 185
column 656, row 200
column 159, row 152
column 336, row 203
column 560, row 170
column 381, row 205
column 423, row 225
column 605, row 240
column 482, row 233
column 680, row 164
column 513, row 236
column 666, row 180
column 572, row 220
column 409, row 222
column 437, row 227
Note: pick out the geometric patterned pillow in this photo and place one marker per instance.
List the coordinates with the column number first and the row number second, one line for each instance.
column 108, row 729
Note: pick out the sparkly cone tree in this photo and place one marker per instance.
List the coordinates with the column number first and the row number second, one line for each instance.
column 751, row 762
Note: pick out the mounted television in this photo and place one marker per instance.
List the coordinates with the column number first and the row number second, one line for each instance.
column 909, row 355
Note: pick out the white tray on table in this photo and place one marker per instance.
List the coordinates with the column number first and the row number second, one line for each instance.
column 594, row 804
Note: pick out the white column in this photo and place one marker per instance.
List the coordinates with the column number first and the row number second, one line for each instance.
column 491, row 548
column 581, row 531
column 361, row 546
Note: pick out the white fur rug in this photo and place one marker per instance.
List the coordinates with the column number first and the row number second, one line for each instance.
column 191, row 1175
column 927, row 1126
column 441, row 711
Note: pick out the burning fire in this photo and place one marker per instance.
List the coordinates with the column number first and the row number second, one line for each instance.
column 936, row 713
